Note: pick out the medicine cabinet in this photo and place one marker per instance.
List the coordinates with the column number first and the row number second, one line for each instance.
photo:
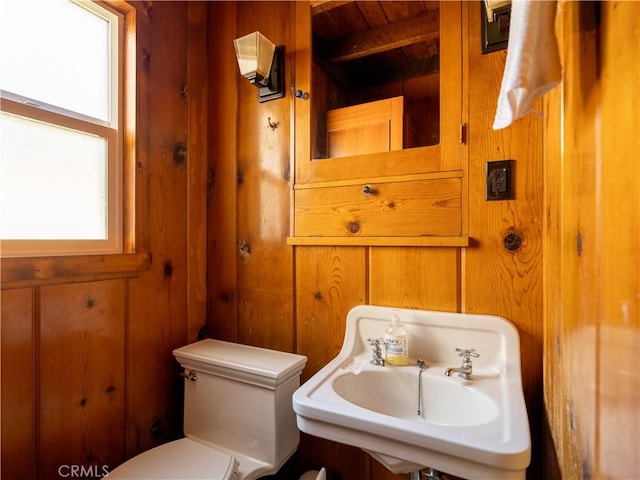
column 378, row 120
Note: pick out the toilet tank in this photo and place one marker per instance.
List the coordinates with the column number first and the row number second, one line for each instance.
column 241, row 399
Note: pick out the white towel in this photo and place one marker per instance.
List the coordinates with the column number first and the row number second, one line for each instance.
column 533, row 63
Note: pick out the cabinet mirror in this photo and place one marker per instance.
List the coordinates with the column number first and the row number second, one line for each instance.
column 375, row 76
column 383, row 84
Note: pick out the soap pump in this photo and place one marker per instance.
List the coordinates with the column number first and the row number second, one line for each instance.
column 396, row 343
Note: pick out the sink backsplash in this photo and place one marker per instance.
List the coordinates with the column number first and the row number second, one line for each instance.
column 432, row 338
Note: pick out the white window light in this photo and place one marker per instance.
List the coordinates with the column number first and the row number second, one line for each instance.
column 61, row 146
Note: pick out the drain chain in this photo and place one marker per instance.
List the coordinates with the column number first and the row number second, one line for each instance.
column 422, row 366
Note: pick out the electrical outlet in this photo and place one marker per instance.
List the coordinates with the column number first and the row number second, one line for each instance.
column 500, row 180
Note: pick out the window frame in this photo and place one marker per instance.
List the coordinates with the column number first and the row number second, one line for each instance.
column 119, row 186
column 37, row 271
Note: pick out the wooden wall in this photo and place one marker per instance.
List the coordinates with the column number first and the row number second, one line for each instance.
column 88, row 378
column 266, row 293
column 87, row 372
column 592, row 260
column 496, row 280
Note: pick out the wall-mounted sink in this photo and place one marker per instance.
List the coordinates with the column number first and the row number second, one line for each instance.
column 475, row 429
column 442, row 401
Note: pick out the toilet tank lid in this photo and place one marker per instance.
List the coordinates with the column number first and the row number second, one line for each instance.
column 258, row 365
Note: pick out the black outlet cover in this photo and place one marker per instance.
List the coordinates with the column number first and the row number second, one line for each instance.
column 500, row 180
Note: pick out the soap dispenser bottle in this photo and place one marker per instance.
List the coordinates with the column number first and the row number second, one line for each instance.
column 396, row 342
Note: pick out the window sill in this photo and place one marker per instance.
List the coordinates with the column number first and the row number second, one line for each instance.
column 39, row 271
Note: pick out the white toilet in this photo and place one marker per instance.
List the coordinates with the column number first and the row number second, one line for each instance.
column 238, row 417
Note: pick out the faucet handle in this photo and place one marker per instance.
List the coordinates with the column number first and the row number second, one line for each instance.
column 467, row 352
column 376, row 352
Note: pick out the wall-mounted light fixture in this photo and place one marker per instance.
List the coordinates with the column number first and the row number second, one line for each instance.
column 495, row 17
column 262, row 63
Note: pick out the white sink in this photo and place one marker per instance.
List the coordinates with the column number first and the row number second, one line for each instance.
column 443, row 402
column 475, row 429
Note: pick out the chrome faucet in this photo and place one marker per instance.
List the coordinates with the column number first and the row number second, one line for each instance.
column 378, row 358
column 465, row 370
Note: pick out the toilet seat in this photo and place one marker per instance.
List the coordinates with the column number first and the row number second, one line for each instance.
column 178, row 460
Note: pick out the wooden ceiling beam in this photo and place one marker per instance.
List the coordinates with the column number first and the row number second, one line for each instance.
column 388, row 37
column 321, row 6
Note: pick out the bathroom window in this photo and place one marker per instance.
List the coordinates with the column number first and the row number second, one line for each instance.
column 61, row 128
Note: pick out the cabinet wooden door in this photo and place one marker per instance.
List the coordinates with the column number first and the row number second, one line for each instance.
column 430, row 35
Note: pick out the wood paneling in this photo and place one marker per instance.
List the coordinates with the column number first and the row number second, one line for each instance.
column 329, row 282
column 592, row 273
column 265, row 268
column 222, row 227
column 197, row 167
column 82, row 381
column 618, row 175
column 423, row 278
column 19, row 384
column 153, row 408
column 496, row 280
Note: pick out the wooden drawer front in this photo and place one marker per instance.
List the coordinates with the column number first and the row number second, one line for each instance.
column 414, row 208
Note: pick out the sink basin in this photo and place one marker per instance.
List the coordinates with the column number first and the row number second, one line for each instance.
column 443, row 402
column 475, row 429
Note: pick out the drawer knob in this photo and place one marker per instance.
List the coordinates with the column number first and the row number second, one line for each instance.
column 368, row 189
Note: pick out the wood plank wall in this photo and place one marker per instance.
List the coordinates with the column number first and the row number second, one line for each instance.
column 87, row 373
column 266, row 293
column 496, row 280
column 69, row 399
column 592, row 259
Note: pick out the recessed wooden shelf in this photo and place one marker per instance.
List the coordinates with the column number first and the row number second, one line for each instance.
column 427, row 241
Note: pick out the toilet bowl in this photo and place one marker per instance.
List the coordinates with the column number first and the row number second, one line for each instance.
column 239, row 422
column 180, row 459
